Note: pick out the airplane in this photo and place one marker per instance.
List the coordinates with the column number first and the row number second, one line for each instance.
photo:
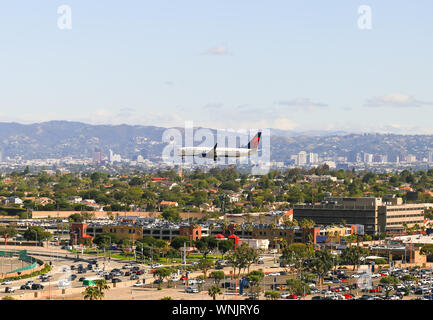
column 214, row 153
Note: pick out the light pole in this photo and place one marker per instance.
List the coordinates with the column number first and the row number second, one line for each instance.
column 107, row 236
column 36, row 233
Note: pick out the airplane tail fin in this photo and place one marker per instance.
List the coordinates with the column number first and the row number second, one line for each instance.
column 254, row 143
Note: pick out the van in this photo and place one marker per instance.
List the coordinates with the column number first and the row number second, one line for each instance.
column 88, row 283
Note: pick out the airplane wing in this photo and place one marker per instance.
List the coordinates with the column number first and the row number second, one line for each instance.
column 211, row 153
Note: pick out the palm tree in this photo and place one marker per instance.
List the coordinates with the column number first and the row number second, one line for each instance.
column 213, row 291
column 211, row 228
column 102, row 286
column 92, row 293
column 225, row 224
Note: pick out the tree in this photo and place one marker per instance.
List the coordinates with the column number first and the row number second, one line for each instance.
column 76, row 217
column 162, row 273
column 296, row 254
column 102, row 286
column 217, row 276
column 205, row 245
column 214, row 291
column 254, row 278
column 389, row 282
column 171, row 214
column 10, row 231
column 297, row 286
column 204, row 265
column 36, row 233
column 242, row 257
column 92, row 293
column 166, row 298
column 225, row 246
column 354, row 255
column 178, row 242
column 273, row 295
column 321, row 263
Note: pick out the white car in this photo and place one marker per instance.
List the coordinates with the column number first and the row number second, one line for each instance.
column 156, row 265
column 273, row 274
column 284, row 295
column 7, row 282
column 195, row 281
column 375, row 275
column 138, row 284
column 127, row 266
column 191, row 290
column 174, row 279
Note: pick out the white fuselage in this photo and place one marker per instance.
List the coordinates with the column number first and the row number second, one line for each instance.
column 206, row 152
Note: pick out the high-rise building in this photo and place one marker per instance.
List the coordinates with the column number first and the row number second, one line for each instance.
column 302, row 158
column 112, row 157
column 430, row 156
column 97, row 155
column 368, row 158
column 313, row 158
column 411, row 158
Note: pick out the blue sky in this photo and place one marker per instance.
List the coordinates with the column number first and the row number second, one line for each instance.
column 295, row 65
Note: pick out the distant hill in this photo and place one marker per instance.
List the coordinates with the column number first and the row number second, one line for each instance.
column 55, row 139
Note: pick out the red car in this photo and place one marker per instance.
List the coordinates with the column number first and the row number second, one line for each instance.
column 184, row 278
column 292, row 296
column 348, row 296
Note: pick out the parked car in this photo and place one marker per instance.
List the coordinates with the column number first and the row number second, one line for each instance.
column 191, row 290
column 7, row 282
column 292, row 296
column 114, row 280
column 138, row 284
column 37, row 286
column 9, row 290
column 273, row 274
column 133, row 277
column 285, row 295
column 25, row 287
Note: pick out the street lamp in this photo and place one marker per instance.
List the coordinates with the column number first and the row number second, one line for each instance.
column 107, row 236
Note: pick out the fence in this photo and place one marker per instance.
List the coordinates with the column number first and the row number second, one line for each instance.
column 23, row 256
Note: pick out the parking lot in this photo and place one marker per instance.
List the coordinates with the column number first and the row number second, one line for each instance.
column 68, row 272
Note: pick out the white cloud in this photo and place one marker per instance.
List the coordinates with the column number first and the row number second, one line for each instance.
column 218, row 51
column 396, row 100
column 303, row 104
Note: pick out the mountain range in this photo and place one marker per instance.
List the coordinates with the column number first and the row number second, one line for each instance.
column 56, row 139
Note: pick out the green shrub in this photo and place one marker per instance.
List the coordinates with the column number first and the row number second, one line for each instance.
column 380, row 261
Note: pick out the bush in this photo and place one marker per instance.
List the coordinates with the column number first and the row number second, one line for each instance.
column 380, row 261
